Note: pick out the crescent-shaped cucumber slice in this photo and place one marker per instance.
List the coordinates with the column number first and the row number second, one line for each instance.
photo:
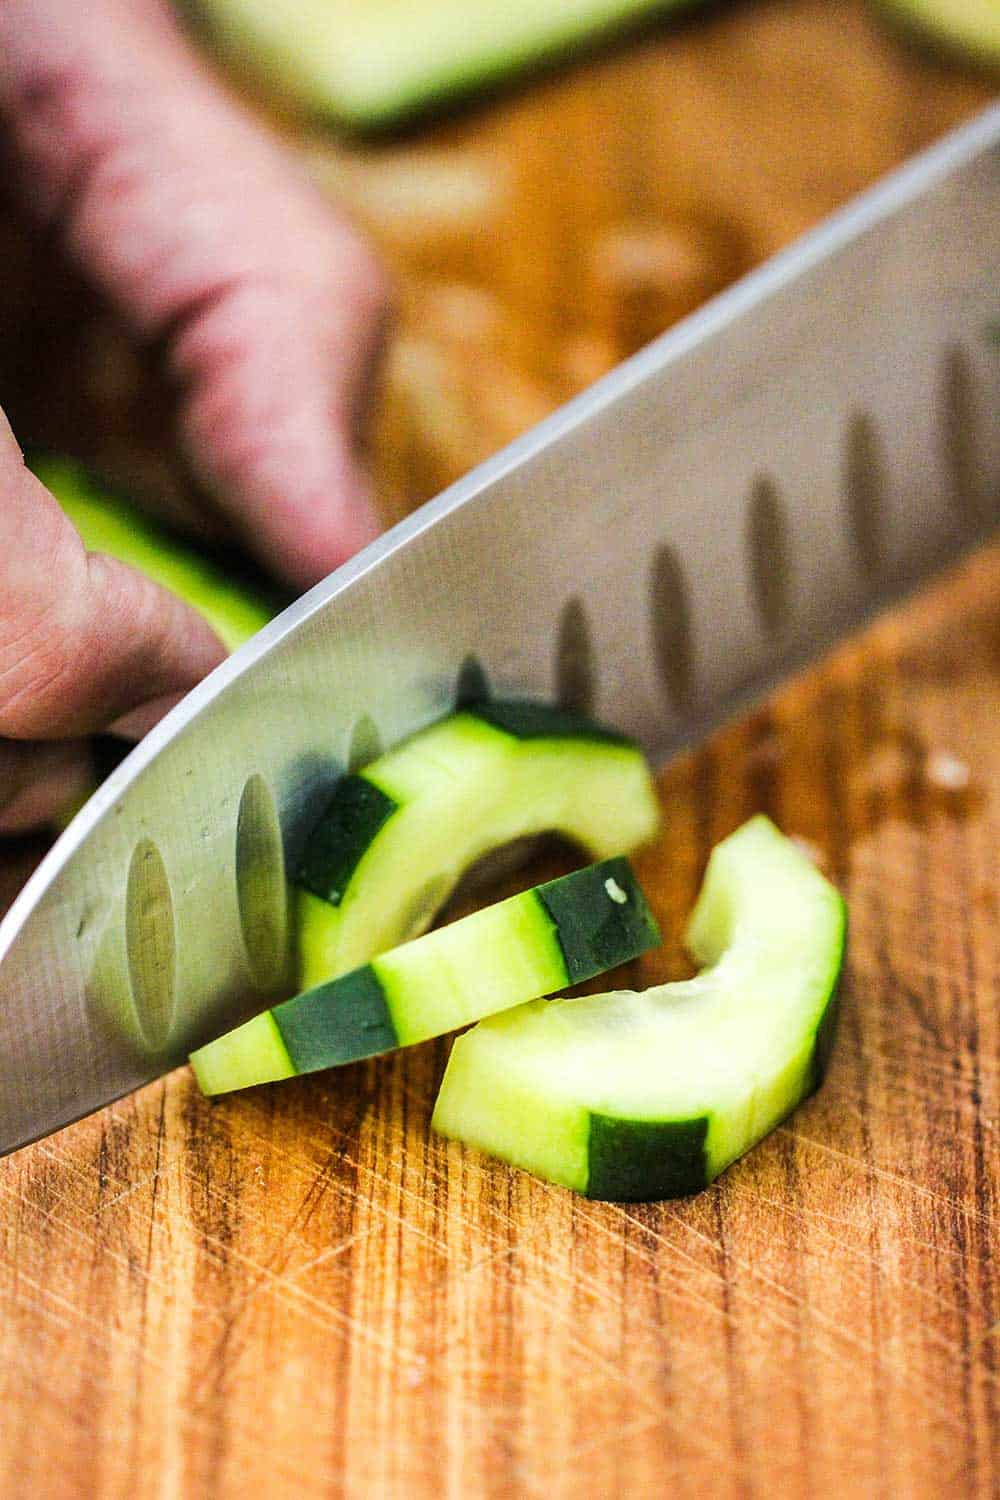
column 651, row 1095
column 397, row 837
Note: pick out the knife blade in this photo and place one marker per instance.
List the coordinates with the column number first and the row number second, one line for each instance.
column 712, row 514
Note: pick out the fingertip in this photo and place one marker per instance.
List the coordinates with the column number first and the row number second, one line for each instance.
column 332, row 533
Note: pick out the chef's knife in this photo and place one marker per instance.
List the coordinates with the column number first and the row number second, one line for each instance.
column 715, row 512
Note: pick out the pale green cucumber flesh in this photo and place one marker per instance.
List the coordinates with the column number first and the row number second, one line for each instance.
column 397, row 837
column 635, row 1096
column 529, row 945
column 369, row 62
column 107, row 523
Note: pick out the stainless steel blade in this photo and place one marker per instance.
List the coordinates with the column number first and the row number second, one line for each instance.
column 719, row 509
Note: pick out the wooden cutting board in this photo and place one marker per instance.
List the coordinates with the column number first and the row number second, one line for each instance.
column 300, row 1291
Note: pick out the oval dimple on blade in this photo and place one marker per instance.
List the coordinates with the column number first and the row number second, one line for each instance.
column 261, row 886
column 866, row 485
column 769, row 556
column 150, row 943
column 364, row 743
column 575, row 669
column 962, row 438
column 670, row 619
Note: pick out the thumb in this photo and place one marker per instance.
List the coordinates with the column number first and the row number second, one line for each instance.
column 83, row 639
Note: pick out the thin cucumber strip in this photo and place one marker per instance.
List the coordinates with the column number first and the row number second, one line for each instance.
column 635, row 1096
column 371, row 62
column 397, row 836
column 534, row 943
column 107, row 523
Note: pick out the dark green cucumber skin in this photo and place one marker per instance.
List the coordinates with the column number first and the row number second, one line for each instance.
column 590, row 948
column 337, row 1022
column 354, row 816
column 526, row 720
column 638, row 1161
column 633, row 1160
column 348, row 1018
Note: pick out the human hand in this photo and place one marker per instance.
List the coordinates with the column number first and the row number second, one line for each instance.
column 203, row 234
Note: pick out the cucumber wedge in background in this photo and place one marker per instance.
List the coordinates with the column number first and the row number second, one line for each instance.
column 397, row 837
column 634, row 1096
column 970, row 27
column 107, row 523
column 559, row 933
column 371, row 62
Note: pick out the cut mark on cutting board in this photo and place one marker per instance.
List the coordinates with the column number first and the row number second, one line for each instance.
column 671, row 627
column 866, row 486
column 770, row 555
column 150, row 943
column 261, row 889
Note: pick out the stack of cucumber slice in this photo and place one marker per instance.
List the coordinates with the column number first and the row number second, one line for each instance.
column 622, row 1095
column 389, row 850
column 652, row 1095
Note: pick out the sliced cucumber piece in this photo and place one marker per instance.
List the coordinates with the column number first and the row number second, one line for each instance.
column 531, row 944
column 369, row 62
column 969, row 26
column 651, row 1095
column 397, row 837
column 107, row 523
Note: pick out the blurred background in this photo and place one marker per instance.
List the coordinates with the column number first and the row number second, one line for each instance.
column 538, row 230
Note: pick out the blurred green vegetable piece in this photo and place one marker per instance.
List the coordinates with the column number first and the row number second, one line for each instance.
column 107, row 523
column 371, row 62
column 971, row 27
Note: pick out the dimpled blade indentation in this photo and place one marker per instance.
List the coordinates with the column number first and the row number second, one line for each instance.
column 866, row 485
column 671, row 627
column 770, row 555
column 364, row 743
column 472, row 685
column 962, row 441
column 150, row 943
column 576, row 673
column 261, row 886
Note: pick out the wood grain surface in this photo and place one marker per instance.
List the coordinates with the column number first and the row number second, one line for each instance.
column 299, row 1291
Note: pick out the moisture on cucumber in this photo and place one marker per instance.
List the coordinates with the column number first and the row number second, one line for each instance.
column 396, row 837
column 634, row 1096
column 370, row 62
column 107, row 523
column 531, row 944
column 970, row 27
